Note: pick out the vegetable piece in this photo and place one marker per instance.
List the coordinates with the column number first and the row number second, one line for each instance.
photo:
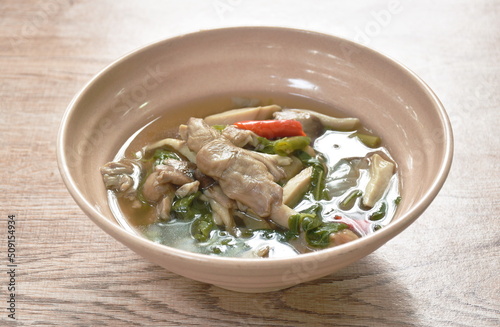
column 297, row 186
column 272, row 129
column 370, row 141
column 349, row 200
column 317, row 188
column 281, row 214
column 381, row 172
column 221, row 212
column 202, row 227
column 163, row 154
column 265, row 145
column 320, row 236
column 180, row 146
column 380, row 213
column 339, row 124
column 283, row 146
column 317, row 233
column 305, row 220
column 231, row 116
column 151, row 191
column 190, row 207
column 288, row 145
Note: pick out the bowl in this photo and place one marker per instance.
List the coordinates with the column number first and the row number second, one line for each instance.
column 162, row 79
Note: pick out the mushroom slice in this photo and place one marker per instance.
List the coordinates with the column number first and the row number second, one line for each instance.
column 281, row 213
column 221, row 206
column 381, row 172
column 232, row 116
column 187, row 189
column 175, row 144
column 164, row 206
column 295, row 188
column 343, row 124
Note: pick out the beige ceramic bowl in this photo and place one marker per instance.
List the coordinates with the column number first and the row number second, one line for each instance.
column 301, row 66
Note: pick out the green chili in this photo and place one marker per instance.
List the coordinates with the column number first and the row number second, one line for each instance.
column 380, row 213
column 371, row 141
column 349, row 200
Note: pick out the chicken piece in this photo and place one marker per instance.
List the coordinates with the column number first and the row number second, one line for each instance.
column 273, row 162
column 183, row 131
column 198, row 133
column 122, row 177
column 174, row 171
column 165, row 204
column 205, row 181
column 241, row 173
column 240, row 137
column 117, row 175
column 241, row 177
column 154, row 191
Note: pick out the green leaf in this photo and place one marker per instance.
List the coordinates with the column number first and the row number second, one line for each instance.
column 162, row 154
column 287, row 145
column 308, row 219
column 265, row 145
column 190, row 207
column 318, row 177
column 202, row 227
column 283, row 146
column 320, row 236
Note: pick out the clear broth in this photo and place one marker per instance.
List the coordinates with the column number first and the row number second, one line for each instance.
column 341, row 151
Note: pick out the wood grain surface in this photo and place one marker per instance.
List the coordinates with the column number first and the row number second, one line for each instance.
column 442, row 271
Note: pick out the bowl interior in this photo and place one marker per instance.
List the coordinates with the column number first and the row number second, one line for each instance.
column 167, row 81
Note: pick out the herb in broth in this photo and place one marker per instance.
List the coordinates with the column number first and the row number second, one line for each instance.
column 257, row 182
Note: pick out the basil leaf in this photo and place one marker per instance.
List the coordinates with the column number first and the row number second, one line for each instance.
column 320, row 236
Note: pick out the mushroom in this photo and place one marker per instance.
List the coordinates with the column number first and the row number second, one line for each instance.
column 380, row 171
column 295, row 188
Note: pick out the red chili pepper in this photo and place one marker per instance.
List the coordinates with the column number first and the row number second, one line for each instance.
column 272, row 129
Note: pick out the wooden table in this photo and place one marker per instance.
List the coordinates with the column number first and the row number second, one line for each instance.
column 442, row 271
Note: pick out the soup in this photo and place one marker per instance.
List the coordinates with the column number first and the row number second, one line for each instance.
column 257, row 181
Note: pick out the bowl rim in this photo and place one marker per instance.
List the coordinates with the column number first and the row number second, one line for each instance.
column 115, row 230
